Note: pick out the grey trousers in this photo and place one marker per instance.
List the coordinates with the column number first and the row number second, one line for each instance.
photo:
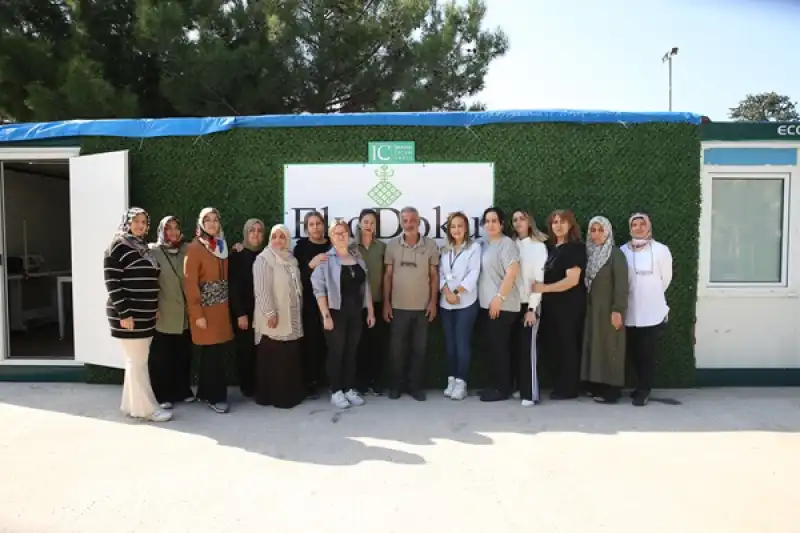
column 408, row 344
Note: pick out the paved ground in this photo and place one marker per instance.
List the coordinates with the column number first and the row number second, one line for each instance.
column 724, row 461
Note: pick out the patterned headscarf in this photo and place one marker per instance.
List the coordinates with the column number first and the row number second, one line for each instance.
column 637, row 244
column 597, row 256
column 215, row 244
column 246, row 241
column 123, row 234
column 170, row 246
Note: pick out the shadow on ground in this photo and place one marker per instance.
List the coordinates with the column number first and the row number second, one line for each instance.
column 316, row 433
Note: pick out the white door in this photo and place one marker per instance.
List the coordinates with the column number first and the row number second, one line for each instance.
column 98, row 197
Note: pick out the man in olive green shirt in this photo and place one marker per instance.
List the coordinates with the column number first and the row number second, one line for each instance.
column 410, row 299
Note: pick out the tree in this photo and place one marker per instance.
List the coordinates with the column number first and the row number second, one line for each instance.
column 765, row 107
column 64, row 59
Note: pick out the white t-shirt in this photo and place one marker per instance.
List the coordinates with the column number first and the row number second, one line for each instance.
column 649, row 276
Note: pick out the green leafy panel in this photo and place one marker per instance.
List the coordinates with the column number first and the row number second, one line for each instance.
column 608, row 169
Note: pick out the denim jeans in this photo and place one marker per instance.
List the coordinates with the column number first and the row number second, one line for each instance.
column 458, row 325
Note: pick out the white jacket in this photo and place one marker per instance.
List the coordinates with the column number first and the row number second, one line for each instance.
column 533, row 256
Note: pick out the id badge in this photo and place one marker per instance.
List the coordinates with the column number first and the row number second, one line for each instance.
column 449, row 277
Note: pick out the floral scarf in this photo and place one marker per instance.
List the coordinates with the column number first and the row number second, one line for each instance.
column 172, row 247
column 216, row 244
column 124, row 235
column 598, row 256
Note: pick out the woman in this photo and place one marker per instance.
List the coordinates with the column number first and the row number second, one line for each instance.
column 649, row 275
column 603, row 366
column 533, row 256
column 310, row 252
column 171, row 351
column 563, row 303
column 243, row 302
column 459, row 268
column 277, row 321
column 500, row 302
column 342, row 291
column 205, row 281
column 372, row 348
column 131, row 276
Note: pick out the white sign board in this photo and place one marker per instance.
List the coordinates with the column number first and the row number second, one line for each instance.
column 343, row 190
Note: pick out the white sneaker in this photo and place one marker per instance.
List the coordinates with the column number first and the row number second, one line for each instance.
column 339, row 401
column 459, row 390
column 166, row 405
column 160, row 415
column 354, row 397
column 528, row 403
column 451, row 383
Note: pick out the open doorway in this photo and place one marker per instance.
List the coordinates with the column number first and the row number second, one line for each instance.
column 37, row 259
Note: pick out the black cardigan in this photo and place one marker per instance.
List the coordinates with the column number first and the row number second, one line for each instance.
column 132, row 285
column 240, row 279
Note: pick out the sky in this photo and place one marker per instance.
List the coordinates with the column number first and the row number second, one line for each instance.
column 606, row 54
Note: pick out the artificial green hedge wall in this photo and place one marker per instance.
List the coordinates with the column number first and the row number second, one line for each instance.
column 608, row 169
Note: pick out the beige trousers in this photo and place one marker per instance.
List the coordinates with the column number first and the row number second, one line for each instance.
column 138, row 399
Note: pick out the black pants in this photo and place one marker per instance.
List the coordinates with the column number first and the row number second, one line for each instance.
column 245, row 356
column 212, row 383
column 641, row 346
column 408, row 344
column 343, row 342
column 562, row 337
column 314, row 349
column 170, row 366
column 497, row 347
column 371, row 351
column 524, row 360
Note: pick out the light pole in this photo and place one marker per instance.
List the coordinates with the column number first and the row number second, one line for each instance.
column 668, row 58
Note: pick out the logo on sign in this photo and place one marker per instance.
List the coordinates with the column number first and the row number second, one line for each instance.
column 789, row 129
column 384, row 193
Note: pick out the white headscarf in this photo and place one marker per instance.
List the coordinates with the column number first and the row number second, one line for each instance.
column 597, row 256
column 214, row 243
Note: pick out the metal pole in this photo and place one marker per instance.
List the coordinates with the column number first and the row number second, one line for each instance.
column 670, row 83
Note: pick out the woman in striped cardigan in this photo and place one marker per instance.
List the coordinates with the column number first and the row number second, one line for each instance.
column 131, row 276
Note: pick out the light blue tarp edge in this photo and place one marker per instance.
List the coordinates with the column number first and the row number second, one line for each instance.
column 194, row 127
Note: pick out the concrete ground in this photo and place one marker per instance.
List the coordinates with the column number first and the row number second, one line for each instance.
column 725, row 460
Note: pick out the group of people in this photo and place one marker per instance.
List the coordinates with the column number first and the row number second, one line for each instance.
column 332, row 309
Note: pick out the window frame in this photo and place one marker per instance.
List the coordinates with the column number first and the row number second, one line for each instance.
column 712, row 172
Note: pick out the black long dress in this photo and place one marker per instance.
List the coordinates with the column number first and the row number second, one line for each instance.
column 242, row 302
column 314, row 347
column 562, row 317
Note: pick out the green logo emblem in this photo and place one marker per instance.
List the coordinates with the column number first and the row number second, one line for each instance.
column 384, row 193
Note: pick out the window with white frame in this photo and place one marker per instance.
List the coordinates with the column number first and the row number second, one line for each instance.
column 748, row 228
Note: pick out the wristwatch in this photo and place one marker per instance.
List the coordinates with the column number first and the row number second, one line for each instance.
column 502, row 298
column 456, row 291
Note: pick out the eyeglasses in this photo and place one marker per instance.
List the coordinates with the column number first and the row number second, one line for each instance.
column 406, row 261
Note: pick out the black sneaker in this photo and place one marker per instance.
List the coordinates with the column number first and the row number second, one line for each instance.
column 641, row 398
column 419, row 395
column 493, row 395
column 394, row 394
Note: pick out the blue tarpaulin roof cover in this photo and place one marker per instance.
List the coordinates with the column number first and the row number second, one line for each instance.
column 194, row 127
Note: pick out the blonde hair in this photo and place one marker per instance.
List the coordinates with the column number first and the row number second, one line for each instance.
column 450, row 218
column 335, row 224
column 533, row 231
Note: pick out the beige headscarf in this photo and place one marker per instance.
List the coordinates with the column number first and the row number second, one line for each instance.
column 284, row 255
column 246, row 231
column 638, row 244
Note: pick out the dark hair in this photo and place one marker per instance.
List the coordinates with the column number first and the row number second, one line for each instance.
column 310, row 215
column 365, row 212
column 450, row 218
column 574, row 233
column 501, row 216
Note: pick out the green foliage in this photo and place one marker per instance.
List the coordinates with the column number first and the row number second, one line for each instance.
column 611, row 170
column 84, row 59
column 765, row 107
